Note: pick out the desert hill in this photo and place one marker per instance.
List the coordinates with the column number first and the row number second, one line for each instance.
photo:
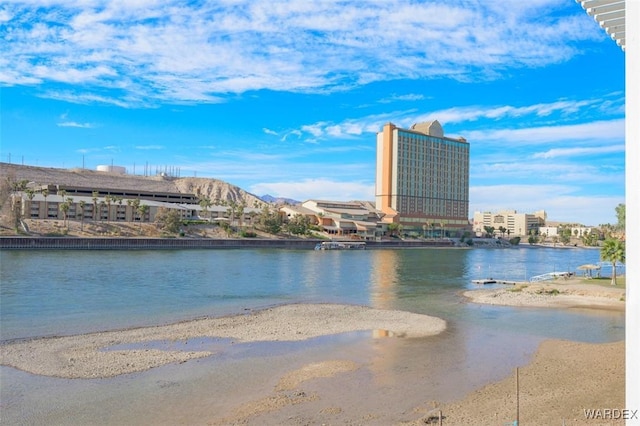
column 214, row 189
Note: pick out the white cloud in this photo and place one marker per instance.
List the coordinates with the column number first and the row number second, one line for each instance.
column 149, row 147
column 76, row 124
column 605, row 131
column 269, row 131
column 517, row 169
column 411, row 97
column 173, row 51
column 579, row 151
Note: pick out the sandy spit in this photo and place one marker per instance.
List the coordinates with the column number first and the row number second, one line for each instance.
column 552, row 295
column 90, row 356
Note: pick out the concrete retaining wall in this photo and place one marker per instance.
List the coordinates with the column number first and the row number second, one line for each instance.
column 68, row 243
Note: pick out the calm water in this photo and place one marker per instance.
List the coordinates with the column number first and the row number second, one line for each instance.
column 67, row 292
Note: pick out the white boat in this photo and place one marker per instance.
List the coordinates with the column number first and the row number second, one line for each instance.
column 341, row 245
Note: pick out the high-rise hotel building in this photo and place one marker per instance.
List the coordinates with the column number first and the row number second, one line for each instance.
column 422, row 179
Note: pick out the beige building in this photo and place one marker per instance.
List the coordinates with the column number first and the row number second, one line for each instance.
column 516, row 224
column 342, row 218
column 422, row 179
column 104, row 208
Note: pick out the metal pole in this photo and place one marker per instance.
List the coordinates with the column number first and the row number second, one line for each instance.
column 517, row 399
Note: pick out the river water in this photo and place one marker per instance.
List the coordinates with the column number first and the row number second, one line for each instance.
column 45, row 293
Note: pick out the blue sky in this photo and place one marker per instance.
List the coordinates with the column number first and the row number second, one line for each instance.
column 285, row 97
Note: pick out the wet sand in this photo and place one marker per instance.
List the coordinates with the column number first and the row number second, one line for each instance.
column 564, row 379
column 556, row 294
column 105, row 354
column 343, row 385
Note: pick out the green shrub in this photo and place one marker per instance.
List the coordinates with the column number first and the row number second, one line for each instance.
column 552, row 292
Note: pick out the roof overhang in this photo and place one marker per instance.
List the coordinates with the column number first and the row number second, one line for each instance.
column 610, row 15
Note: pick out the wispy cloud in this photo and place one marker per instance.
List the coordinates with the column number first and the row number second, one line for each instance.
column 579, row 151
column 600, row 130
column 410, row 97
column 109, row 149
column 150, row 147
column 604, row 131
column 178, row 52
column 76, row 124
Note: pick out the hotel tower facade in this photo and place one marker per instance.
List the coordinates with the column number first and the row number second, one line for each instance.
column 422, row 179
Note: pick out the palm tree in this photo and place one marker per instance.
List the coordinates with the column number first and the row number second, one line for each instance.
column 108, row 200
column 119, row 200
column 70, row 201
column 613, row 251
column 142, row 211
column 135, row 205
column 205, row 203
column 240, row 211
column 30, row 194
column 64, row 207
column 133, row 211
column 82, row 203
column 94, row 197
column 102, row 204
column 45, row 194
column 231, row 211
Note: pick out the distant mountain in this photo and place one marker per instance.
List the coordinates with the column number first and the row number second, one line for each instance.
column 278, row 200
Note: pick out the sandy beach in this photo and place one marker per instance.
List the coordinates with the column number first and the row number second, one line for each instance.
column 564, row 379
column 552, row 294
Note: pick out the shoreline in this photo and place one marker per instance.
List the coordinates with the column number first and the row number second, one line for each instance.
column 153, row 243
column 558, row 381
column 561, row 381
column 113, row 353
column 564, row 379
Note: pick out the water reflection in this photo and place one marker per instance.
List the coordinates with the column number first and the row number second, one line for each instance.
column 384, row 278
column 114, row 289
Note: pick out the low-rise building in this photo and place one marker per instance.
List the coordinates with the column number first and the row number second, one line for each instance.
column 514, row 223
column 111, row 208
column 346, row 218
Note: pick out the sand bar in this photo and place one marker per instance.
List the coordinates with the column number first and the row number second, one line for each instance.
column 90, row 356
column 552, row 295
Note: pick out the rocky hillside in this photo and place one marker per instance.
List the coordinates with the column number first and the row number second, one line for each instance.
column 214, row 189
